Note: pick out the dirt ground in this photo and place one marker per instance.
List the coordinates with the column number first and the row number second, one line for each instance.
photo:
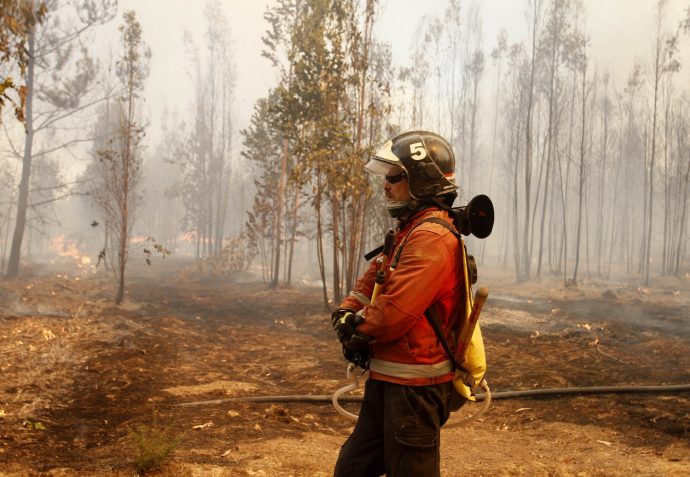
column 81, row 378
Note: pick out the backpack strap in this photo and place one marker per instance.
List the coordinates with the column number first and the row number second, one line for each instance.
column 434, row 220
column 431, row 314
column 443, row 223
column 433, row 318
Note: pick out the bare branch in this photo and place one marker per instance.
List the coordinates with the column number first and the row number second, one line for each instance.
column 60, row 186
column 13, row 150
column 62, row 146
column 55, row 199
column 48, row 122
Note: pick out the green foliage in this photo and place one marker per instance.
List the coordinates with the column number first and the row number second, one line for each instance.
column 151, row 446
column 133, row 65
column 321, row 120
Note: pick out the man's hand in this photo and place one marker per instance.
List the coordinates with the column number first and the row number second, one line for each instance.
column 358, row 358
column 345, row 325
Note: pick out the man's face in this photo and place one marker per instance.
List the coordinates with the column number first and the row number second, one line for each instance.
column 396, row 186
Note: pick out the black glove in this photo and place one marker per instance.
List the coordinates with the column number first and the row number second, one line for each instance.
column 358, row 358
column 345, row 325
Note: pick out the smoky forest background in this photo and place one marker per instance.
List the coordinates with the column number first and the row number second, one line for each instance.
column 588, row 168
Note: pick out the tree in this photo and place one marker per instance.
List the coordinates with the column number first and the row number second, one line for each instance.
column 58, row 92
column 682, row 125
column 122, row 153
column 557, row 33
column 317, row 127
column 453, row 38
column 262, row 147
column 205, row 156
column 474, row 72
column 605, row 106
column 7, row 191
column 631, row 156
column 582, row 170
column 281, row 49
column 213, row 128
column 534, row 19
column 664, row 63
column 514, row 107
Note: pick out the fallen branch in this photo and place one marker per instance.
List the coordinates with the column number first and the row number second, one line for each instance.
column 609, row 356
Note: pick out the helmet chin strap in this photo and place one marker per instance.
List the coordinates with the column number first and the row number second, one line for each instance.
column 396, row 208
column 404, row 209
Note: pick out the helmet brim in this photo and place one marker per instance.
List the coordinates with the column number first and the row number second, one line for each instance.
column 381, row 167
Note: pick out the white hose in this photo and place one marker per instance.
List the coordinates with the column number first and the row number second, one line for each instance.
column 466, row 420
column 346, row 389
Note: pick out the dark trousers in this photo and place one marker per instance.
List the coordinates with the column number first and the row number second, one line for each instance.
column 397, row 433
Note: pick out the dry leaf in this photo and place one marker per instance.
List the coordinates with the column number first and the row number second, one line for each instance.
column 33, row 424
column 229, row 451
column 202, row 426
column 605, row 443
column 523, row 409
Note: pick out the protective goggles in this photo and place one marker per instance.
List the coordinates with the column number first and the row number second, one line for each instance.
column 396, row 178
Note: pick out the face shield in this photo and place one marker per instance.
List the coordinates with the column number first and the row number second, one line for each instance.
column 381, row 167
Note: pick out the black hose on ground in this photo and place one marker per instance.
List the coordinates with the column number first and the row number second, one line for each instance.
column 668, row 389
column 530, row 393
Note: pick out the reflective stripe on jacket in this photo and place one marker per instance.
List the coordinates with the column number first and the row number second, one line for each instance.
column 428, row 273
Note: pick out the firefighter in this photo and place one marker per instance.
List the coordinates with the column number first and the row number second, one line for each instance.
column 408, row 395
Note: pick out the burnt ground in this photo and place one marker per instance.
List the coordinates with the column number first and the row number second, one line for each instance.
column 81, row 378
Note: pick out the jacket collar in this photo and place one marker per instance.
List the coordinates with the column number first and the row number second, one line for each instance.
column 406, row 225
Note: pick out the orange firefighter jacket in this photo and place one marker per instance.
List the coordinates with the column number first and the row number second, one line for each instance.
column 406, row 349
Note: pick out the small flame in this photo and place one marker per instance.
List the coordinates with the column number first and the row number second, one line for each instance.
column 68, row 249
column 189, row 236
column 64, row 247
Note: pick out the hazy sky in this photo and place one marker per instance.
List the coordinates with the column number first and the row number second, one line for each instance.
column 620, row 32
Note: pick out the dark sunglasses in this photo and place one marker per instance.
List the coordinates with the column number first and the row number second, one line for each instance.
column 396, row 178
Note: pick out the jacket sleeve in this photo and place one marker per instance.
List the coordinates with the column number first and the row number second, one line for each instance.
column 361, row 292
column 410, row 289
